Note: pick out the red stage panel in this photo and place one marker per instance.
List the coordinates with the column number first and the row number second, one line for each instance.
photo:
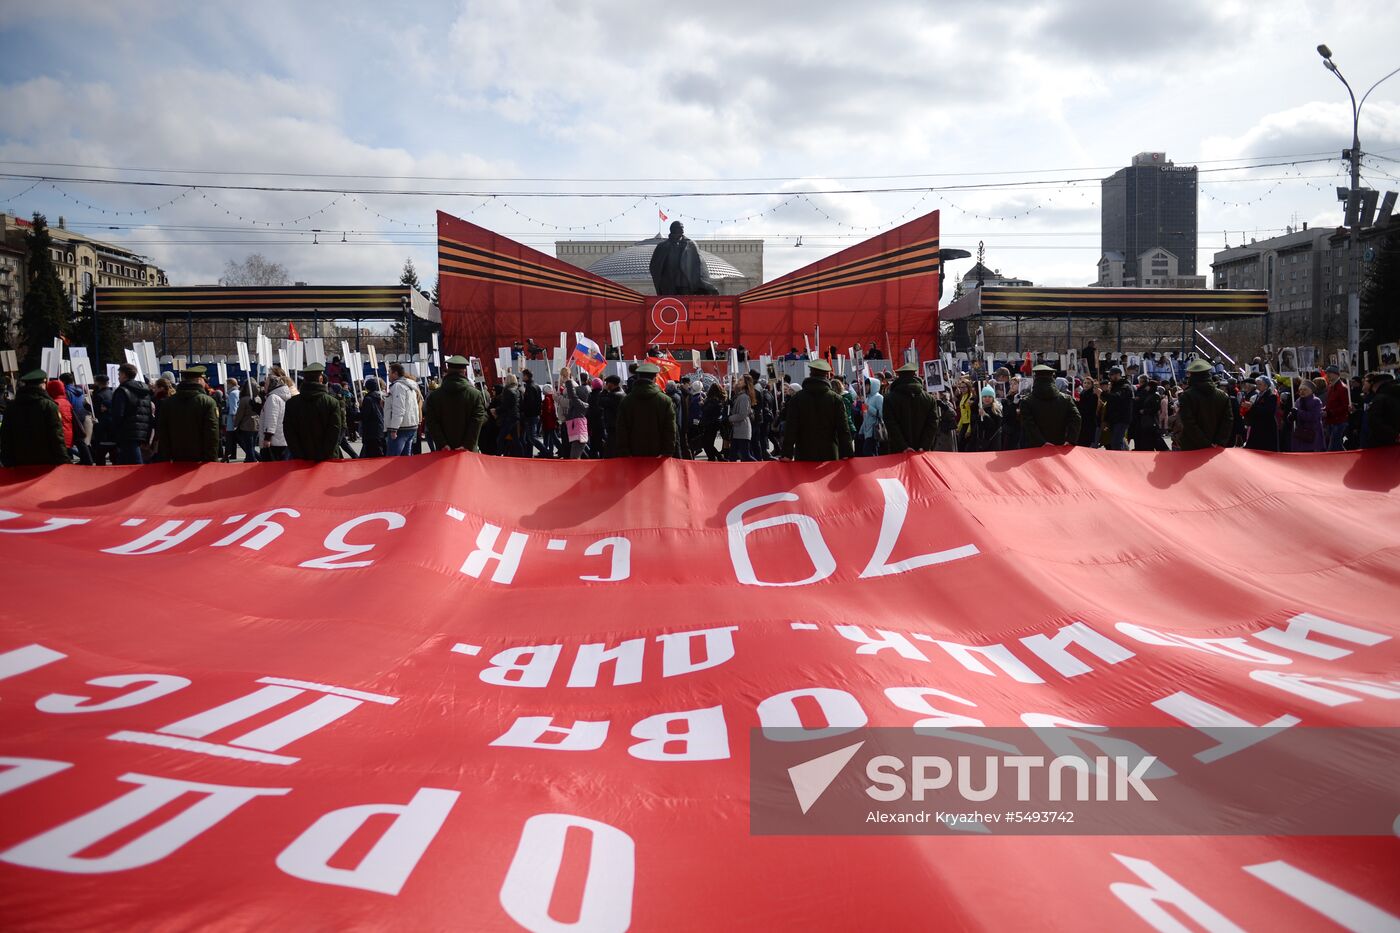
column 495, row 290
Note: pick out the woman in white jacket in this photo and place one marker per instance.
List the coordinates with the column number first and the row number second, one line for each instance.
column 274, row 410
column 401, row 412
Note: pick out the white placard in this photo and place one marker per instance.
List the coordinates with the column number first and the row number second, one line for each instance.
column 373, row 359
column 63, row 367
column 244, row 362
column 422, row 367
column 615, row 333
column 436, row 348
column 8, row 362
column 437, row 360
column 695, row 359
column 222, row 370
column 733, row 361
column 558, row 358
column 75, row 353
column 345, row 352
column 283, row 362
column 178, row 365
column 113, row 376
column 422, row 351
column 150, row 363
column 503, row 362
column 315, row 350
column 48, row 362
column 58, row 348
column 82, row 371
column 265, row 355
column 298, row 355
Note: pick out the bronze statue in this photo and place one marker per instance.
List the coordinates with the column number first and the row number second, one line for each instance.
column 676, row 266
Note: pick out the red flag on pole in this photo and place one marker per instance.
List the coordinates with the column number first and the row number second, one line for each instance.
column 292, row 331
column 660, row 213
column 1026, row 364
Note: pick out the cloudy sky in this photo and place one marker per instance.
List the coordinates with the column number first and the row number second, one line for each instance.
column 650, row 103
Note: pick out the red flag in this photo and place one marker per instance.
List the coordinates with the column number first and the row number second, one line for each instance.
column 670, row 370
column 660, row 213
column 292, row 331
column 1026, row 365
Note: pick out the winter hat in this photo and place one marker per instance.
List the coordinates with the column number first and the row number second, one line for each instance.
column 548, row 389
column 989, row 392
column 596, row 383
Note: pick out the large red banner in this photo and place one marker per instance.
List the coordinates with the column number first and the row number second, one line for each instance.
column 475, row 693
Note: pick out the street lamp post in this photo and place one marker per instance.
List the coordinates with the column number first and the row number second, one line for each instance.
column 1353, row 202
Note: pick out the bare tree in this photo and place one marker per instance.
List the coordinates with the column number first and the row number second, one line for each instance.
column 255, row 270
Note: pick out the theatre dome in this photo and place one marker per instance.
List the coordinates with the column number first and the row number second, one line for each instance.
column 633, row 263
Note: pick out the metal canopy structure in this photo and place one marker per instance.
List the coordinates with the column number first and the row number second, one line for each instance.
column 1091, row 303
column 269, row 302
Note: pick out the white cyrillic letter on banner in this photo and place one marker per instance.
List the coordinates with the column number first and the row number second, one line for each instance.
column 157, row 685
column 261, row 527
column 676, row 650
column 626, row 658
column 891, row 524
column 823, row 564
column 21, row 771
column 621, row 567
column 527, row 731
column 782, row 722
column 1054, row 650
column 705, row 737
column 1150, row 901
column 507, row 559
column 57, row 849
column 392, row 858
column 891, row 640
column 535, row 671
column 606, row 904
column 335, row 541
column 163, row 537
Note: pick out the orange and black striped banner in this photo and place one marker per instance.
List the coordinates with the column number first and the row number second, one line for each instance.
column 361, row 300
column 911, row 259
column 1019, row 301
column 462, row 260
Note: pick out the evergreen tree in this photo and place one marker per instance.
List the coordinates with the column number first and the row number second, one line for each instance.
column 111, row 333
column 437, row 292
column 45, row 311
column 1380, row 298
column 399, row 331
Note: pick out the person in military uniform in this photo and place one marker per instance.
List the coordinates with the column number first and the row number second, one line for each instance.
column 1206, row 416
column 910, row 413
column 315, row 419
column 456, row 410
column 1048, row 416
column 646, row 419
column 817, row 429
column 187, row 424
column 32, row 432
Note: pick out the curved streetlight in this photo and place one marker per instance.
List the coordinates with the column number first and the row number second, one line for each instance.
column 1354, row 155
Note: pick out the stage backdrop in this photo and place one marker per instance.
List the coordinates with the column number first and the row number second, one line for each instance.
column 494, row 291
column 473, row 693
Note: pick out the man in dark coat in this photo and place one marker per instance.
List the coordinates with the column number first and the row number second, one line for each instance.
column 1207, row 415
column 676, row 266
column 646, row 419
column 456, row 411
column 315, row 419
column 104, row 434
column 816, row 427
column 609, row 405
column 910, row 413
column 531, row 404
column 187, row 427
column 372, row 420
column 32, row 432
column 1118, row 409
column 1383, row 413
column 133, row 416
column 1048, row 416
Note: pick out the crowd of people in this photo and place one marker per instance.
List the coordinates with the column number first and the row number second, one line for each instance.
column 749, row 416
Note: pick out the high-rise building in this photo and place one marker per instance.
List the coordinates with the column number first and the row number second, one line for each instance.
column 1150, row 207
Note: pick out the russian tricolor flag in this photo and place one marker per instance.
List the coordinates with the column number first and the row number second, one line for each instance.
column 588, row 356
